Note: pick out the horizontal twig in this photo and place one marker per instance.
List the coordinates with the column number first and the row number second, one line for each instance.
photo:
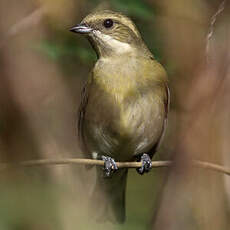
column 212, row 166
column 155, row 164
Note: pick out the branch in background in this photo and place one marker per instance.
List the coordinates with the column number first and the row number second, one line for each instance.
column 24, row 24
column 212, row 26
column 155, row 164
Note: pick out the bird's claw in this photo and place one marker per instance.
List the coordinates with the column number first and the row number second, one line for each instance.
column 110, row 166
column 146, row 164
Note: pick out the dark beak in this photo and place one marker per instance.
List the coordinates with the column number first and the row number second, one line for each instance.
column 81, row 29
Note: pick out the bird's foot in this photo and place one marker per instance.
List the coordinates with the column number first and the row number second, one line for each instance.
column 146, row 164
column 110, row 166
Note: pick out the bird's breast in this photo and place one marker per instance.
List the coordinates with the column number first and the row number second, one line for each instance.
column 124, row 115
column 122, row 126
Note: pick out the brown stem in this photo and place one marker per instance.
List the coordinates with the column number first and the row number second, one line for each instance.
column 155, row 164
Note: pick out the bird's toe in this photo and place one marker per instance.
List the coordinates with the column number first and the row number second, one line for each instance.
column 110, row 166
column 146, row 164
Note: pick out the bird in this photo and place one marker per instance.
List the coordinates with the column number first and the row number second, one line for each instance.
column 124, row 106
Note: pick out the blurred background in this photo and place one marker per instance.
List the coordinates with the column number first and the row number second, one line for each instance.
column 42, row 70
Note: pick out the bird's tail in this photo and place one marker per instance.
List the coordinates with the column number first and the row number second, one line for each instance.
column 109, row 196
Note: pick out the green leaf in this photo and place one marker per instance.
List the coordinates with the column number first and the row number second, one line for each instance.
column 50, row 49
column 136, row 8
column 57, row 50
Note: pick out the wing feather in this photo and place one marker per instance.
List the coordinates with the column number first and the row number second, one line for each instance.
column 167, row 106
column 81, row 117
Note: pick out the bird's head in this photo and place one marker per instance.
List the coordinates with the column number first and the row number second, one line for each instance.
column 111, row 33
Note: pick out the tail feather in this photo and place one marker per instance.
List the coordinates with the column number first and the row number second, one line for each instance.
column 109, row 196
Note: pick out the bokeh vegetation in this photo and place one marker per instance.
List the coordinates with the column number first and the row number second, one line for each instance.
column 43, row 68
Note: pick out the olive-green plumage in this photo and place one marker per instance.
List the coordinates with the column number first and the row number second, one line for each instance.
column 124, row 102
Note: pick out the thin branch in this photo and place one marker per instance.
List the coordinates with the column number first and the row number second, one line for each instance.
column 212, row 166
column 78, row 161
column 212, row 27
column 24, row 24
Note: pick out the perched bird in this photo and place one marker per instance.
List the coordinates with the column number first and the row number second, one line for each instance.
column 124, row 105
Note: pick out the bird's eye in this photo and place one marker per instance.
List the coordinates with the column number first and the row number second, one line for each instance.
column 108, row 23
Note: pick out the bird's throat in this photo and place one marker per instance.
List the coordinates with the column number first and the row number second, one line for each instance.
column 106, row 45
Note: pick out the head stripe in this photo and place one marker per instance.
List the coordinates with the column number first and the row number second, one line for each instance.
column 101, row 15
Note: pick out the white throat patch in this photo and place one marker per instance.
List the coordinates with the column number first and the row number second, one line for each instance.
column 118, row 46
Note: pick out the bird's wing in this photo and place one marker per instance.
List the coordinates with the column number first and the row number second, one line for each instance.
column 81, row 117
column 154, row 149
column 167, row 105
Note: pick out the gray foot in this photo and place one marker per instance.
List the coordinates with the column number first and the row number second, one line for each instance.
column 146, row 164
column 109, row 166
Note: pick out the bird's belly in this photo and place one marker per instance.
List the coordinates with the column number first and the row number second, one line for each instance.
column 115, row 139
column 131, row 129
